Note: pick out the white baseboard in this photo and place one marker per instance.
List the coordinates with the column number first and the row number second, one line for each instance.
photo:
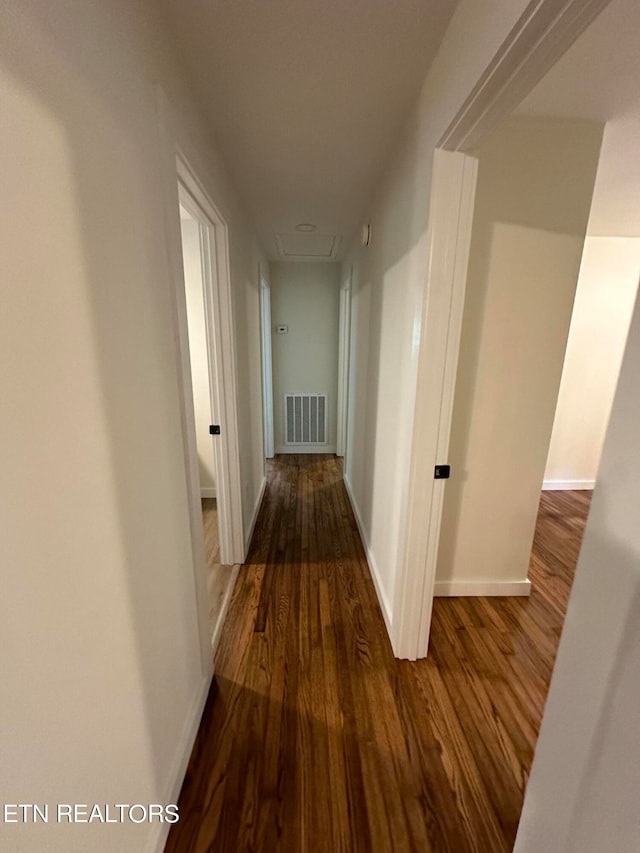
column 306, row 448
column 208, row 492
column 373, row 569
column 159, row 831
column 493, row 588
column 222, row 615
column 565, row 485
column 254, row 517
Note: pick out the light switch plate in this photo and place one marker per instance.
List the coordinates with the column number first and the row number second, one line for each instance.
column 282, row 330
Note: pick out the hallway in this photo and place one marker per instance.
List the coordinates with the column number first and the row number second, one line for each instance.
column 315, row 738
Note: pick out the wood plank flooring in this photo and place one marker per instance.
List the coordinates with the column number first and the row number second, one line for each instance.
column 315, row 738
column 218, row 575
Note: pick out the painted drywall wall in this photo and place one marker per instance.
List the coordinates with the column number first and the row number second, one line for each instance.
column 389, row 280
column 198, row 352
column 582, row 793
column 535, row 181
column 100, row 647
column 306, row 298
column 607, row 287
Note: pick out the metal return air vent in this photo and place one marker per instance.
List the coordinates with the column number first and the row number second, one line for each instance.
column 305, row 417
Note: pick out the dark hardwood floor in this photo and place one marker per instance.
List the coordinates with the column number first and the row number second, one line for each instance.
column 315, row 738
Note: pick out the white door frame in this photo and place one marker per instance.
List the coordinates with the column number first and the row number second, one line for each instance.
column 267, row 365
column 176, row 173
column 218, row 306
column 543, row 34
column 450, row 221
column 344, row 339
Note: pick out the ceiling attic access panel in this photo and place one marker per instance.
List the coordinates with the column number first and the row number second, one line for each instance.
column 308, row 247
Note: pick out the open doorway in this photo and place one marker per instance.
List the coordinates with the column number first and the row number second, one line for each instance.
column 207, row 380
column 305, row 316
column 533, row 196
column 203, row 378
column 567, row 103
column 602, row 311
column 552, row 279
column 547, row 310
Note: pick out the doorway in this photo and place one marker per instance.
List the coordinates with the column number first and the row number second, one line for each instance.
column 207, row 372
column 203, row 378
column 449, row 239
column 305, row 311
column 602, row 310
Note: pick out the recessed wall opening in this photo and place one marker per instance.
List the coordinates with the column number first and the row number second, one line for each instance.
column 547, row 311
column 553, row 273
column 552, row 282
column 309, row 343
column 533, row 196
column 604, row 302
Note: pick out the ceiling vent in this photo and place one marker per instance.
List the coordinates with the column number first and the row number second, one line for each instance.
column 308, row 247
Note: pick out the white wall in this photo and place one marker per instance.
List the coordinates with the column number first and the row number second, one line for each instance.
column 388, row 289
column 535, row 181
column 607, row 287
column 306, row 298
column 101, row 668
column 198, row 352
column 582, row 795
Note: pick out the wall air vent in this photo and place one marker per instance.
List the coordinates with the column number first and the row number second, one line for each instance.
column 305, row 418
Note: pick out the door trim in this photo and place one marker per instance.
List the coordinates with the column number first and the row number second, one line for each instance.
column 174, row 169
column 220, row 327
column 344, row 340
column 267, row 365
column 449, row 239
column 540, row 37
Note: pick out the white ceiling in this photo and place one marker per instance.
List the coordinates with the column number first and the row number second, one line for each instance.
column 599, row 79
column 306, row 97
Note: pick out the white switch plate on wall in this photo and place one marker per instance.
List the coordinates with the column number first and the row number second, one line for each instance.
column 282, row 330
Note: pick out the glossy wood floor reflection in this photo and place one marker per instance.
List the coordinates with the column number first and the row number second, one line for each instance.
column 316, row 739
column 218, row 575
